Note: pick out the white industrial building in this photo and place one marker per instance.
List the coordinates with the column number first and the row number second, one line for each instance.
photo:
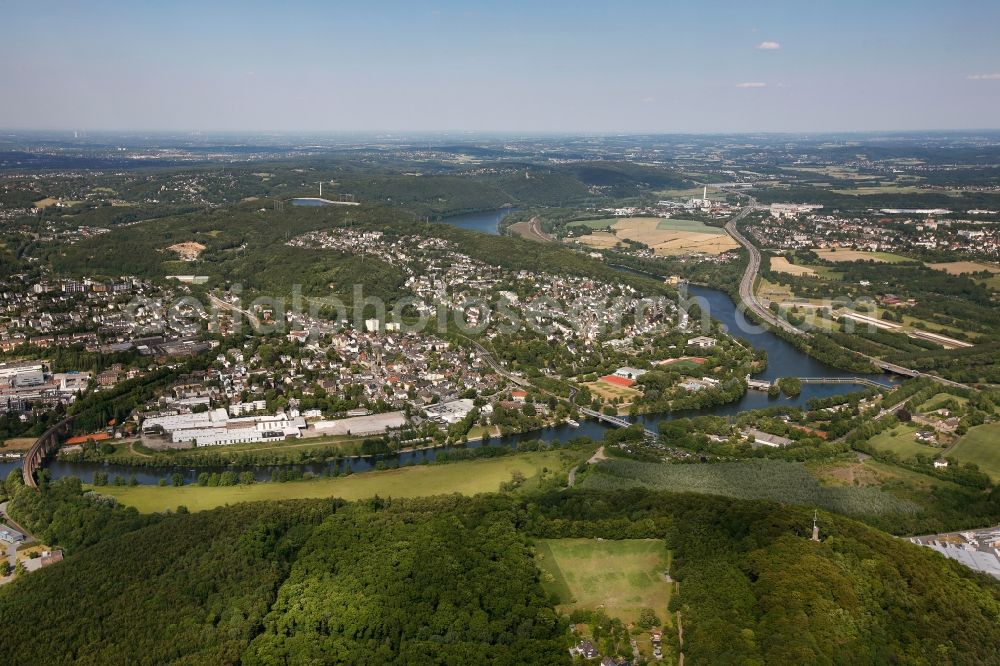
column 215, row 427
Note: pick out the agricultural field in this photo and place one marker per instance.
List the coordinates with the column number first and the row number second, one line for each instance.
column 665, row 236
column 753, row 479
column 601, row 240
column 467, row 478
column 881, row 189
column 901, row 440
column 600, row 223
column 620, row 577
column 981, row 445
column 859, row 255
column 964, row 267
column 782, row 265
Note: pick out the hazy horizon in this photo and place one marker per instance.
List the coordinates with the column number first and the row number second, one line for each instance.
column 449, row 67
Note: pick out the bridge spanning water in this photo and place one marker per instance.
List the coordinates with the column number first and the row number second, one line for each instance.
column 616, row 421
column 45, row 445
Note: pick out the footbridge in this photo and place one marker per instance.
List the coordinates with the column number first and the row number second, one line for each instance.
column 45, row 445
column 864, row 381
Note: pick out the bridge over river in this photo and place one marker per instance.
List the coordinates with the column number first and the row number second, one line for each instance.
column 45, row 445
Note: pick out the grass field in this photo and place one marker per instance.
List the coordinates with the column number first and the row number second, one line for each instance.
column 601, row 223
column 622, row 577
column 859, row 255
column 467, row 478
column 18, row 443
column 963, row 267
column 881, row 189
column 940, row 400
column 981, row 445
column 901, row 441
column 752, row 479
column 601, row 240
column 782, row 265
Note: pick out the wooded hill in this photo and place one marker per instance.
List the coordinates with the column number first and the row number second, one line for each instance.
column 452, row 580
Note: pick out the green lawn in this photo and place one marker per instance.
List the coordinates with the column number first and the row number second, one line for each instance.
column 622, row 577
column 901, row 441
column 467, row 478
column 940, row 400
column 981, row 445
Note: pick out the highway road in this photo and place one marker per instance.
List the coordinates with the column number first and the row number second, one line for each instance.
column 750, row 300
column 746, row 284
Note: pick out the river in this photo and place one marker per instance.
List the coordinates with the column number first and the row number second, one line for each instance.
column 487, row 222
column 784, row 360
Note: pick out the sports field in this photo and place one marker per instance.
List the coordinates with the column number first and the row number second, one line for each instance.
column 609, row 391
column 782, row 265
column 622, row 577
column 467, row 478
column 981, row 445
column 859, row 255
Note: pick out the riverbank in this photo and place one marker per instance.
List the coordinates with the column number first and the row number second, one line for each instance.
column 463, row 477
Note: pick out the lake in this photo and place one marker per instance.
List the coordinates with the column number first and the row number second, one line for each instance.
column 487, row 222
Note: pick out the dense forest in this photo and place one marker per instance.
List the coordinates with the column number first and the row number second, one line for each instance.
column 451, row 580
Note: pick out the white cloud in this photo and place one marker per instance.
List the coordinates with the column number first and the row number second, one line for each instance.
column 769, row 46
column 751, row 84
column 984, row 77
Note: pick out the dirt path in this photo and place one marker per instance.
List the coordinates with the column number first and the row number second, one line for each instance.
column 598, row 456
column 131, row 448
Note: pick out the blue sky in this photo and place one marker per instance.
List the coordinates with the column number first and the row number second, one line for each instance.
column 667, row 66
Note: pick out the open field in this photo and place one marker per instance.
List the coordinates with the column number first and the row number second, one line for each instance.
column 467, row 478
column 600, row 223
column 18, row 443
column 188, row 250
column 981, row 445
column 670, row 237
column 602, row 240
column 609, row 391
column 622, row 577
column 940, row 400
column 665, row 236
column 782, row 265
column 901, row 441
column 859, row 255
column 678, row 224
column 881, row 189
column 963, row 267
column 752, row 479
